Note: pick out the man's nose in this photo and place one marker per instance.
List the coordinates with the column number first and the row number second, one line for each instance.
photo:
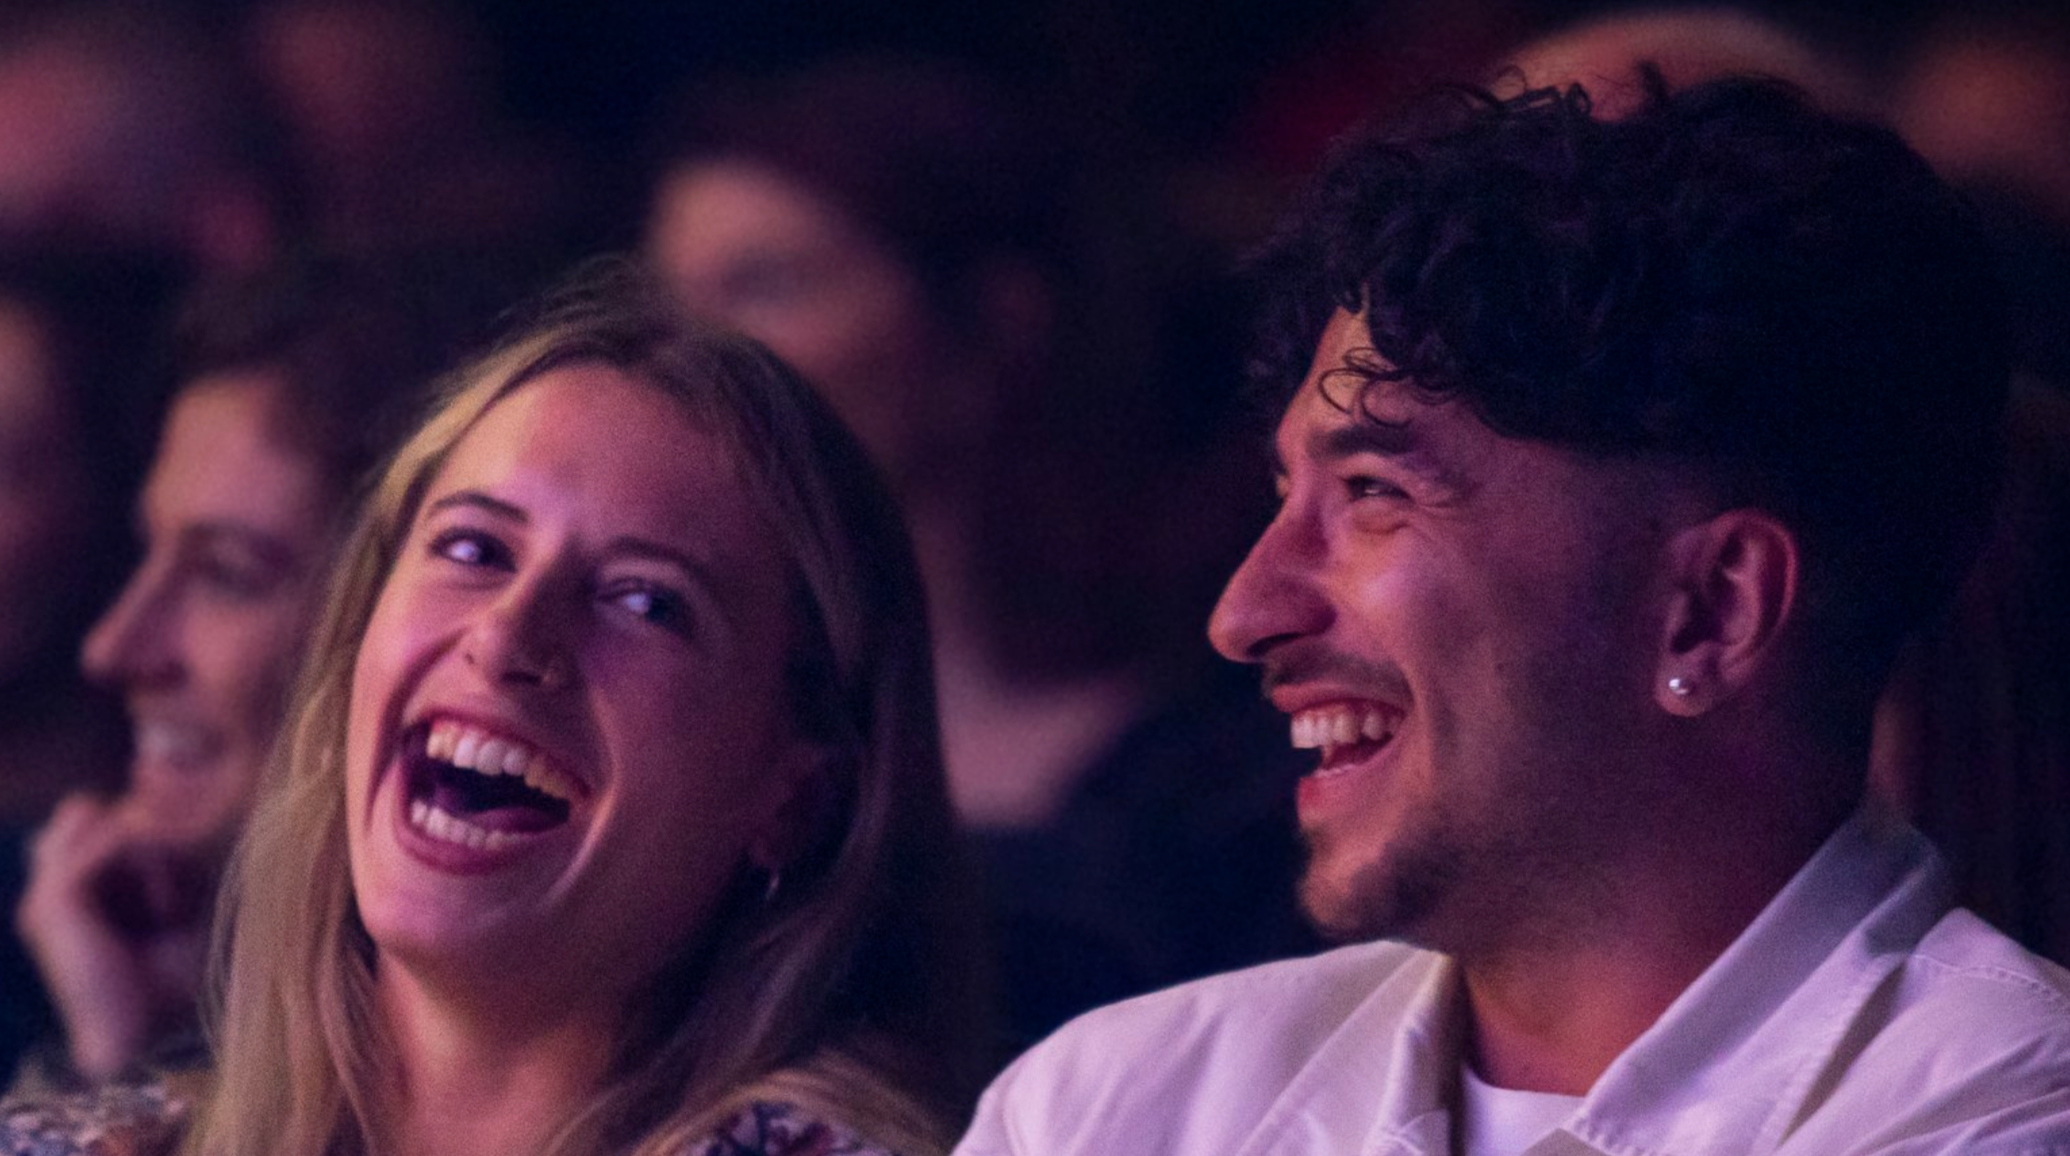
column 1273, row 597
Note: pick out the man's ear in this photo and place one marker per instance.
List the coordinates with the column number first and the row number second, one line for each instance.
column 1735, row 584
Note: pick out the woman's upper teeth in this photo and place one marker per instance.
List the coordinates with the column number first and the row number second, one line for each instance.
column 487, row 753
column 1341, row 724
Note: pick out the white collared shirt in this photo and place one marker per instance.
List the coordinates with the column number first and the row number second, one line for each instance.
column 1857, row 1014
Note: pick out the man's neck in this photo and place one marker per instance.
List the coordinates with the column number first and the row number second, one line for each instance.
column 1554, row 1023
column 1550, row 1011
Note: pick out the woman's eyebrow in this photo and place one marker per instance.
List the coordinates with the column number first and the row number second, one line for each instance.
column 476, row 499
column 714, row 572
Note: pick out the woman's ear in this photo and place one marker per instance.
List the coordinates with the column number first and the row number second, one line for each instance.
column 799, row 814
column 1734, row 587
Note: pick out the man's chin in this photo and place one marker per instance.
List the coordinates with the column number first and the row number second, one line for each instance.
column 1337, row 911
column 1374, row 901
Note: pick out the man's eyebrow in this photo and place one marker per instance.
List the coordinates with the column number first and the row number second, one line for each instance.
column 1389, row 439
column 480, row 501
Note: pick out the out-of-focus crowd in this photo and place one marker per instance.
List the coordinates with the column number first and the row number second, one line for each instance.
column 240, row 242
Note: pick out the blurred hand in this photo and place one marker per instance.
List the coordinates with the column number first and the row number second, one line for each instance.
column 117, row 916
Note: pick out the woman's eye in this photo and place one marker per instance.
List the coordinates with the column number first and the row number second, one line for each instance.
column 653, row 604
column 470, row 548
column 239, row 579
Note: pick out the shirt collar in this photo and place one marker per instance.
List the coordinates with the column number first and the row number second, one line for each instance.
column 1727, row 1068
column 1331, row 1105
column 1729, row 1065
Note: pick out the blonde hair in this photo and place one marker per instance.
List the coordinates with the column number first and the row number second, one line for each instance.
column 852, row 992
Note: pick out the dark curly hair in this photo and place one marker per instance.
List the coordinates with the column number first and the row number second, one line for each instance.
column 1792, row 305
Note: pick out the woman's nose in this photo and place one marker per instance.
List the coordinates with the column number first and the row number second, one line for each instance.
column 520, row 638
column 134, row 640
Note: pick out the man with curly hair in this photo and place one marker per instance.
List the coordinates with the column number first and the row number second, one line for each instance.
column 1618, row 457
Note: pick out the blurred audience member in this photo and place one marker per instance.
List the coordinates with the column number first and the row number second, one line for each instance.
column 77, row 333
column 1988, row 102
column 392, row 115
column 1973, row 736
column 291, row 382
column 120, row 124
column 922, row 247
column 1688, row 46
column 1376, row 56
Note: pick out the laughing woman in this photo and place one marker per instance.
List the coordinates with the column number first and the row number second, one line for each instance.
column 611, row 819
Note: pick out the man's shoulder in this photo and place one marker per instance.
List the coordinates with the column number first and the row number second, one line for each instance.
column 2009, row 1001
column 1964, row 957
column 1970, row 1053
column 1191, row 1067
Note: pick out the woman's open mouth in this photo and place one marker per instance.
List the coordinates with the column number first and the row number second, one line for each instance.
column 472, row 787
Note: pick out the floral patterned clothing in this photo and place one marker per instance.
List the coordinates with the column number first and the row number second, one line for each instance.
column 765, row 1129
column 118, row 1119
column 148, row 1119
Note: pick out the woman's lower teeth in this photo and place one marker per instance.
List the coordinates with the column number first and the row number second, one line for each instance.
column 448, row 828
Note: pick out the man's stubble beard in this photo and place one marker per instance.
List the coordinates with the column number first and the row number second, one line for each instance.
column 1393, row 894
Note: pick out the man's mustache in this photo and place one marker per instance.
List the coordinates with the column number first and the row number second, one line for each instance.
column 1302, row 663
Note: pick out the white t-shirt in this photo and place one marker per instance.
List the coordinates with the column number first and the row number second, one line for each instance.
column 1503, row 1122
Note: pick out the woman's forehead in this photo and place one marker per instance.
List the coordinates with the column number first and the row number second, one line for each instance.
column 596, row 444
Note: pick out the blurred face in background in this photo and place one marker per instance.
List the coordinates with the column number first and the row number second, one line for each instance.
column 203, row 638
column 740, row 243
column 42, row 514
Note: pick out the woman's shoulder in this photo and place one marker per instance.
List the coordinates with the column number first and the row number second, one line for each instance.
column 776, row 1128
column 143, row 1118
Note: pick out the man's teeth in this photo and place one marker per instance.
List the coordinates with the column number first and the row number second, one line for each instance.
column 449, row 828
column 1341, row 725
column 484, row 753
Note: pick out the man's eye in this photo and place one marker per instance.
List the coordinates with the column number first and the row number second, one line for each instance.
column 1364, row 486
column 470, row 548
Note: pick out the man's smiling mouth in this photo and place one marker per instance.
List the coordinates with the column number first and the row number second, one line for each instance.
column 473, row 787
column 1345, row 732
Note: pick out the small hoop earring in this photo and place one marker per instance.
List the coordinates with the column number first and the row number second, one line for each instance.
column 1680, row 687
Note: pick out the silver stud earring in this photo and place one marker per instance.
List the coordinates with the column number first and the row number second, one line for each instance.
column 1680, row 687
